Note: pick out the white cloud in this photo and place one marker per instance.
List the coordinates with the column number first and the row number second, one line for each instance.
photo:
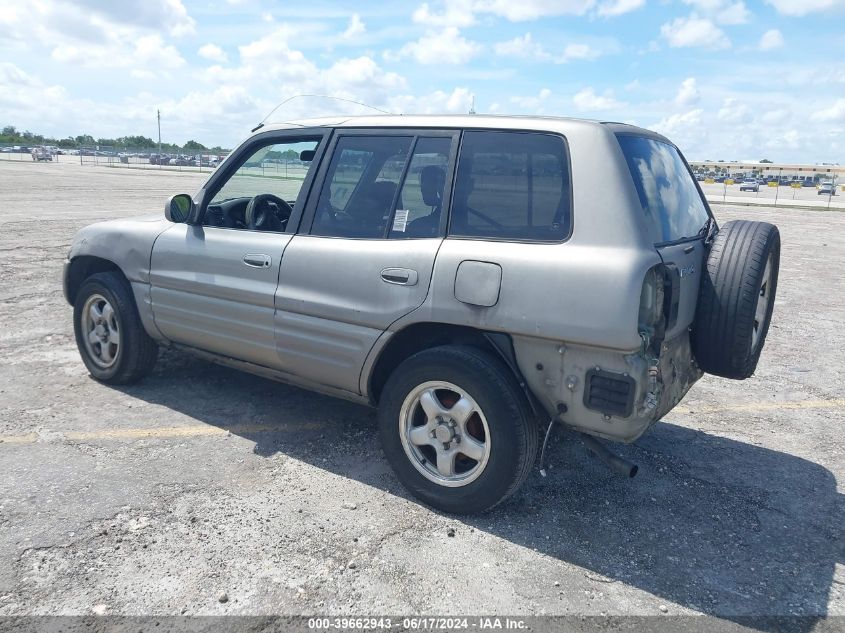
column 588, row 101
column 524, row 47
column 455, row 13
column 356, row 27
column 462, row 13
column 836, row 113
column 213, row 53
column 441, row 47
column 678, row 122
column 532, row 9
column 722, row 11
column 732, row 111
column 150, row 55
column 612, row 8
column 694, row 32
column 168, row 16
column 458, row 101
column 132, row 36
column 579, row 51
column 771, row 40
column 774, row 117
column 688, row 93
column 533, row 103
column 803, row 7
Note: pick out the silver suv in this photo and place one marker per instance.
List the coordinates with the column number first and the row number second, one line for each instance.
column 476, row 278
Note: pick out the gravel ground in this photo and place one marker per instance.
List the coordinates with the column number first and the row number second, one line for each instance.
column 161, row 497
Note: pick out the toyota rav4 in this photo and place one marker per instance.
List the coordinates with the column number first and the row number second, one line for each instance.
column 476, row 278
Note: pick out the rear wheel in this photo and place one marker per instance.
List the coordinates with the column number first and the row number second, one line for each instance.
column 111, row 339
column 736, row 299
column 456, row 429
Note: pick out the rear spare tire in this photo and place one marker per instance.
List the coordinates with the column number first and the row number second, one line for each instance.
column 736, row 298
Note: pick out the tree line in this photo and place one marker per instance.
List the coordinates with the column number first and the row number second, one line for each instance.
column 12, row 136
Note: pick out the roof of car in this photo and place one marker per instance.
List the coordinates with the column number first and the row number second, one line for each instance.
column 513, row 122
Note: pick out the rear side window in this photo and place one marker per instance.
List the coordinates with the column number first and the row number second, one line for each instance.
column 667, row 193
column 512, row 186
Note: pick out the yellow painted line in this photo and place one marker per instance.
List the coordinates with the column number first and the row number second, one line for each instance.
column 163, row 432
column 206, row 430
column 765, row 406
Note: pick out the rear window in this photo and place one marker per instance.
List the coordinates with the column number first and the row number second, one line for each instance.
column 511, row 186
column 667, row 192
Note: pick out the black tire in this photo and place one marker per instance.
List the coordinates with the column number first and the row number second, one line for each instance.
column 723, row 337
column 513, row 432
column 137, row 352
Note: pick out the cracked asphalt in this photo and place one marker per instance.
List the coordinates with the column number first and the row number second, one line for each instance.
column 160, row 497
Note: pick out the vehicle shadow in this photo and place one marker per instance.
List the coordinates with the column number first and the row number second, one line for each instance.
column 717, row 525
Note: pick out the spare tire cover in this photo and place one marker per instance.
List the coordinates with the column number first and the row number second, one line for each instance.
column 736, row 298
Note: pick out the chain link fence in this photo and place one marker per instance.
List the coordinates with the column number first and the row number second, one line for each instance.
column 817, row 186
column 179, row 159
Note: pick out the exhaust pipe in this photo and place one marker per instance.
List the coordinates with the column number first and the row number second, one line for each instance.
column 617, row 464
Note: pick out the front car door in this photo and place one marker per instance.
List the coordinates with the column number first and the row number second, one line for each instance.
column 213, row 282
column 366, row 249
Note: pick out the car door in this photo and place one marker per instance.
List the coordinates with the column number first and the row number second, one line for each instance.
column 364, row 255
column 213, row 282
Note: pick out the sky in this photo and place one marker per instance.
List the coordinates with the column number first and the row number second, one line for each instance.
column 724, row 79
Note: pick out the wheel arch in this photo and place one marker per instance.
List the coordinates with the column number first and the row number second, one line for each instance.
column 418, row 337
column 81, row 268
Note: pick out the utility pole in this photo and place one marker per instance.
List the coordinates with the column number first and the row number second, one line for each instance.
column 472, row 106
column 158, row 116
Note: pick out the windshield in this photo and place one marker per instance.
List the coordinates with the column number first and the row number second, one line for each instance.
column 670, row 200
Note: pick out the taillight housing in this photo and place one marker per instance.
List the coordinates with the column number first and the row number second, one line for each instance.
column 652, row 299
column 659, row 299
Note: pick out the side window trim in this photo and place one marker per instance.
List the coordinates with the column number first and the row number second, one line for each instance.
column 447, row 219
column 240, row 155
column 306, row 222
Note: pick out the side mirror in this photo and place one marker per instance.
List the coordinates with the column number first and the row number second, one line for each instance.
column 178, row 208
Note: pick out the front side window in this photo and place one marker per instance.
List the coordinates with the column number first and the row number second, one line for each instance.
column 261, row 194
column 670, row 201
column 512, row 186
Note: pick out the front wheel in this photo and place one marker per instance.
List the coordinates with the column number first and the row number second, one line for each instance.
column 111, row 339
column 456, row 429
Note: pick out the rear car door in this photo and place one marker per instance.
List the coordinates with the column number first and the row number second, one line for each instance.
column 364, row 255
column 213, row 283
column 677, row 218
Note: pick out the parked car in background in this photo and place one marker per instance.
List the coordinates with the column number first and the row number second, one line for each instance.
column 204, row 160
column 749, row 184
column 827, row 188
column 40, row 152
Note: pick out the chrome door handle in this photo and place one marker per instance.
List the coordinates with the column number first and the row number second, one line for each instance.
column 257, row 261
column 400, row 276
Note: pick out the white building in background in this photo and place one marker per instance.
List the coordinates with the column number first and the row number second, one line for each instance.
column 820, row 172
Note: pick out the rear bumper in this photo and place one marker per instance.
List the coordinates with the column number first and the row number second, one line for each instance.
column 611, row 394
